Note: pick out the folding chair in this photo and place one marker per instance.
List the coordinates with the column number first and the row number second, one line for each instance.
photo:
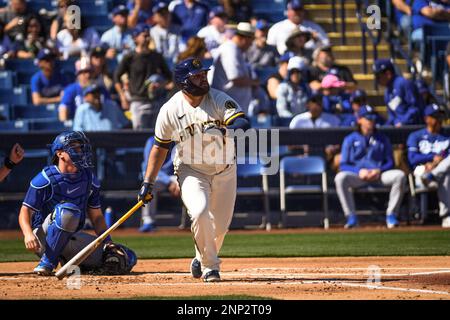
column 306, row 167
column 422, row 192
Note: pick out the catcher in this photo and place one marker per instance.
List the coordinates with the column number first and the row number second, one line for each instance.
column 55, row 208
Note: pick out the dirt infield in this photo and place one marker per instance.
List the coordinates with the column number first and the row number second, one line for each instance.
column 280, row 278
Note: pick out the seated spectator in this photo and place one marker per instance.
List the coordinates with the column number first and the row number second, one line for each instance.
column 118, row 38
column 335, row 99
column 58, row 22
column 165, row 35
column 293, row 93
column 274, row 80
column 231, row 72
column 47, row 85
column 7, row 48
column 401, row 97
column 140, row 12
column 165, row 181
column 403, row 13
column 260, row 54
column 428, row 12
column 428, row 155
column 74, row 42
column 190, row 16
column 15, row 156
column 195, row 48
column 357, row 100
column 100, row 74
column 315, row 117
column 367, row 159
column 14, row 17
column 296, row 42
column 296, row 13
column 97, row 115
column 32, row 40
column 215, row 32
column 237, row 10
column 324, row 63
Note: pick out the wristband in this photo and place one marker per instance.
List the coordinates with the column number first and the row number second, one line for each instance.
column 9, row 164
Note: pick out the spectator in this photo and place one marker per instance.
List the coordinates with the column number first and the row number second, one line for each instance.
column 47, row 85
column 232, row 73
column 140, row 12
column 366, row 159
column 14, row 17
column 32, row 40
column 100, row 74
column 15, row 156
column 7, row 48
column 118, row 38
column 324, row 63
column 260, row 54
column 400, row 96
column 165, row 181
column 292, row 94
column 195, row 48
column 58, row 22
column 215, row 32
column 280, row 31
column 296, row 42
column 139, row 65
column 237, row 10
column 75, row 42
column 190, row 16
column 403, row 13
column 165, row 35
column 97, row 115
column 428, row 155
column 335, row 99
column 357, row 100
column 315, row 117
column 428, row 12
column 274, row 80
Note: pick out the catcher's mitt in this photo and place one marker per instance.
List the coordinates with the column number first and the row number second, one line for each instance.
column 117, row 259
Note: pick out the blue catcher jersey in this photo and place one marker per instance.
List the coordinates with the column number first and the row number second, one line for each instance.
column 51, row 187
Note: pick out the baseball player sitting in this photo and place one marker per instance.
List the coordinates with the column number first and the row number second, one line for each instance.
column 367, row 158
column 428, row 155
column 55, row 208
column 195, row 119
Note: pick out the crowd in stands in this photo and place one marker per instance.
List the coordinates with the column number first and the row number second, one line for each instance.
column 282, row 69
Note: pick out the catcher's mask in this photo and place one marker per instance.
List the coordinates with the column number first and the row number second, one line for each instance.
column 184, row 70
column 77, row 145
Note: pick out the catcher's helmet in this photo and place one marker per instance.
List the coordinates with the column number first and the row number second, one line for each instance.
column 69, row 142
column 184, row 70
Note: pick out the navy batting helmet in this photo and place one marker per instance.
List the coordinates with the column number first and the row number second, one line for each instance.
column 77, row 145
column 184, row 70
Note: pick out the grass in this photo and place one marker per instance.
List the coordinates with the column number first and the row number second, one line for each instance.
column 393, row 243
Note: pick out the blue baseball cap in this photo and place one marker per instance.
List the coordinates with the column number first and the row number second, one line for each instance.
column 295, row 5
column 286, row 56
column 434, row 110
column 358, row 95
column 262, row 25
column 367, row 112
column 45, row 54
column 93, row 88
column 123, row 10
column 142, row 27
column 217, row 11
column 161, row 6
column 382, row 65
column 155, row 78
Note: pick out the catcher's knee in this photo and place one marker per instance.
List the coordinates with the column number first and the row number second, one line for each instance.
column 67, row 216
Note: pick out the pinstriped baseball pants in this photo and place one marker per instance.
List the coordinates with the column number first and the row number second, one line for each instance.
column 346, row 181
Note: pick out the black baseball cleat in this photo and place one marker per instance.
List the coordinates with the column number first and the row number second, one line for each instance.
column 212, row 276
column 196, row 268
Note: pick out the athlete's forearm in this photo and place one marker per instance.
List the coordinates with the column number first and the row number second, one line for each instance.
column 155, row 162
column 25, row 220
column 4, row 171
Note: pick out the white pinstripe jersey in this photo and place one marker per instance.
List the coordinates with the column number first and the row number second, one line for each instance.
column 183, row 124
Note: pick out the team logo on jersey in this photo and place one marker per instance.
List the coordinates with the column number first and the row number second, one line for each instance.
column 196, row 63
column 230, row 105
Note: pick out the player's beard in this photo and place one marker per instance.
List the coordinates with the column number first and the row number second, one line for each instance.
column 197, row 91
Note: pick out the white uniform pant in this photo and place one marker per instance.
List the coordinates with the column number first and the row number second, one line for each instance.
column 209, row 200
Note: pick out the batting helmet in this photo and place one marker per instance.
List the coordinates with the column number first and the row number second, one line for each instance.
column 184, row 70
column 77, row 145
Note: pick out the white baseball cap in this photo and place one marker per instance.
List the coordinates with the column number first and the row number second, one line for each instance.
column 298, row 63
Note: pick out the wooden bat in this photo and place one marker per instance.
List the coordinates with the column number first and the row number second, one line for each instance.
column 83, row 254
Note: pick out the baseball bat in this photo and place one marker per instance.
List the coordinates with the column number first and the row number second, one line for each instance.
column 83, row 254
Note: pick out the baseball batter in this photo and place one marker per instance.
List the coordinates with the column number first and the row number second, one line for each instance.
column 198, row 120
column 55, row 208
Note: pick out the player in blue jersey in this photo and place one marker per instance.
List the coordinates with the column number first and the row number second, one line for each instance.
column 428, row 155
column 55, row 208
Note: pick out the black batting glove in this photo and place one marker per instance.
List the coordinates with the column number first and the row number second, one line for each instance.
column 145, row 194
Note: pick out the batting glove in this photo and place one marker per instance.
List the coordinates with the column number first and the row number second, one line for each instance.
column 145, row 194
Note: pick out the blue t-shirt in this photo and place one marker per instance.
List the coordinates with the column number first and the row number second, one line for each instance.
column 73, row 97
column 48, row 88
column 423, row 146
column 418, row 20
column 109, row 118
column 190, row 20
column 331, row 102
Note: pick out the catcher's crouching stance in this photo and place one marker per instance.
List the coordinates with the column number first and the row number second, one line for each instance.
column 55, row 209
